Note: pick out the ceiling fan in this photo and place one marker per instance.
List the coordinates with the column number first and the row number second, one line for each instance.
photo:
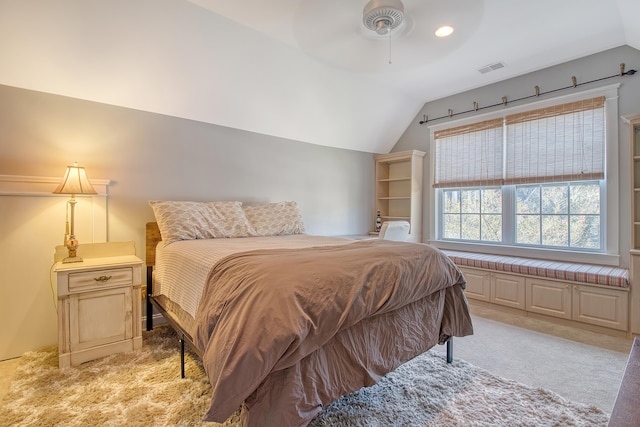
column 383, row 35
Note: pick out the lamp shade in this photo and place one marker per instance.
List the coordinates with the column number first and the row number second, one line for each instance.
column 75, row 181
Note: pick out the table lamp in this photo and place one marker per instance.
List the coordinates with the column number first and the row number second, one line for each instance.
column 75, row 181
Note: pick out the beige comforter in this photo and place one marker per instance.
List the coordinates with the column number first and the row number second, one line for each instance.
column 272, row 323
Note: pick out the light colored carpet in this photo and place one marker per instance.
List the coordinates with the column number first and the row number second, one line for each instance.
column 144, row 388
column 580, row 372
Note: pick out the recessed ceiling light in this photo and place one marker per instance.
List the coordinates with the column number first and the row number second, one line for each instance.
column 444, row 31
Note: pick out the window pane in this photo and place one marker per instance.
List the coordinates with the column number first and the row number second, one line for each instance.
column 470, row 227
column 585, row 231
column 585, row 198
column 527, row 200
column 451, row 226
column 555, row 199
column 471, row 201
column 472, row 214
column 492, row 228
column 492, row 201
column 451, row 201
column 528, row 229
column 555, row 230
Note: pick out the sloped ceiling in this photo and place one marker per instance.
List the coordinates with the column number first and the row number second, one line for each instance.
column 297, row 69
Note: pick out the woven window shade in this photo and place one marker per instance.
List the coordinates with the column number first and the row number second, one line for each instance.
column 469, row 156
column 557, row 144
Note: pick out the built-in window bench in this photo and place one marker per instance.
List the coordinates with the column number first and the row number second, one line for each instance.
column 593, row 295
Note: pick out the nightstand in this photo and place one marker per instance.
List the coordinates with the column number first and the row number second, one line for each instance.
column 99, row 302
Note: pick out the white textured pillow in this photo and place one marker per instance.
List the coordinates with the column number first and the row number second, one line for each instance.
column 273, row 219
column 184, row 220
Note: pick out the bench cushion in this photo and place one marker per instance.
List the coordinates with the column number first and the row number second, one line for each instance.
column 567, row 271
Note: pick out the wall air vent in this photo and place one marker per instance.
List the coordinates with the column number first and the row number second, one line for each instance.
column 492, row 67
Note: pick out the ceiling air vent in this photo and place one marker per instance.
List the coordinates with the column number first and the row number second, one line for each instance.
column 492, row 67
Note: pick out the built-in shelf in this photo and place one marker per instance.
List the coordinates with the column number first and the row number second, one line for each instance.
column 399, row 189
column 633, row 120
column 634, row 125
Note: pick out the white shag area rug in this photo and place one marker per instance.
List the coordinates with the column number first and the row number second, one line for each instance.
column 144, row 388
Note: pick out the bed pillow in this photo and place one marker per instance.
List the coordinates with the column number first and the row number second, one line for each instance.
column 184, row 220
column 274, row 219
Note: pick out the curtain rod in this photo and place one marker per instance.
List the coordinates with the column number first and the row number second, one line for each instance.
column 504, row 102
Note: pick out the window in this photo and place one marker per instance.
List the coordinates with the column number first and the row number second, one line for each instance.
column 530, row 178
column 473, row 214
column 559, row 215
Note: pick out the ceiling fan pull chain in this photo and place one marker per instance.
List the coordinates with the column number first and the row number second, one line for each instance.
column 389, row 46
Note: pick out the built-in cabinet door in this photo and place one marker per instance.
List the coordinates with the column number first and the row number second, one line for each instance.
column 99, row 318
column 508, row 290
column 478, row 284
column 600, row 306
column 548, row 297
column 497, row 288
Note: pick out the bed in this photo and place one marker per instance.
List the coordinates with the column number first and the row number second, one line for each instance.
column 285, row 322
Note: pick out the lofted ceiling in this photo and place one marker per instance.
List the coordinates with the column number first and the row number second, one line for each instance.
column 303, row 70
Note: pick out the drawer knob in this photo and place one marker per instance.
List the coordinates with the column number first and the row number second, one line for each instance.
column 102, row 279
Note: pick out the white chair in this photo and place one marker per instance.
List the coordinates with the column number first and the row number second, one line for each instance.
column 394, row 230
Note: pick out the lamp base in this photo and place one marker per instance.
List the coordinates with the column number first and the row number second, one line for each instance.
column 71, row 244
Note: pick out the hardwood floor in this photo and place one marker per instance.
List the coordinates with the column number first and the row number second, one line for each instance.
column 627, row 406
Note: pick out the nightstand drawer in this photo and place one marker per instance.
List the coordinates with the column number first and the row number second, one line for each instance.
column 100, row 278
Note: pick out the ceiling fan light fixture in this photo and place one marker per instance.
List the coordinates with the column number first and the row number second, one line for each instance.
column 444, row 31
column 383, row 26
column 382, row 16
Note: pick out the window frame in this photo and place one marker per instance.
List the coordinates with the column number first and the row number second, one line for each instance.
column 609, row 190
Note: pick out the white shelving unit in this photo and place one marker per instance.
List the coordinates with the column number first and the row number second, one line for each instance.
column 399, row 189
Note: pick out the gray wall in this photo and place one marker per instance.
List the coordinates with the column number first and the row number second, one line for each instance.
column 150, row 156
column 585, row 69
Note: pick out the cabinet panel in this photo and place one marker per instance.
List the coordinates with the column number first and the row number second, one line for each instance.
column 508, row 290
column 603, row 307
column 498, row 288
column 477, row 284
column 101, row 317
column 547, row 297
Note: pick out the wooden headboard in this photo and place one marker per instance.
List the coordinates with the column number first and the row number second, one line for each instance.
column 152, row 240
